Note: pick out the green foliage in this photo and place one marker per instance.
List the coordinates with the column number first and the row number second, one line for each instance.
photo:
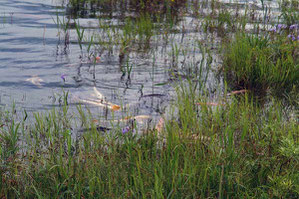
column 261, row 63
column 234, row 150
column 143, row 27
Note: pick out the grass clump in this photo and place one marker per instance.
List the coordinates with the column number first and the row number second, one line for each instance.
column 260, row 63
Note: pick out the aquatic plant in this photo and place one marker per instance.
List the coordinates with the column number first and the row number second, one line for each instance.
column 80, row 34
column 261, row 63
column 220, row 21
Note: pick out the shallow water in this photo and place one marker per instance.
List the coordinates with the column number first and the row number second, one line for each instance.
column 34, row 54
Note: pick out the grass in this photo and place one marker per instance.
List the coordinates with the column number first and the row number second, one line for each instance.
column 235, row 147
column 234, row 150
column 259, row 62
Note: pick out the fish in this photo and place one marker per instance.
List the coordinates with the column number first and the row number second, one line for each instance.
column 103, row 104
column 139, row 118
column 35, row 80
column 237, row 92
column 160, row 126
column 100, row 101
column 98, row 94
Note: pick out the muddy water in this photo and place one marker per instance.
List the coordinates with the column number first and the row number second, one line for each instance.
column 39, row 61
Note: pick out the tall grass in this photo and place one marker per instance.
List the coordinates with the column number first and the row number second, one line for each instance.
column 261, row 63
column 234, row 150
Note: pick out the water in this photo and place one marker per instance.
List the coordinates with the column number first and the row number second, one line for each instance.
column 35, row 53
column 30, row 47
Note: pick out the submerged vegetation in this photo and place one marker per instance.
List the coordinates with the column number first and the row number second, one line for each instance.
column 211, row 142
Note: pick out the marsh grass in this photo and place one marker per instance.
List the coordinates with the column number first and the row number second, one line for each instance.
column 260, row 63
column 235, row 150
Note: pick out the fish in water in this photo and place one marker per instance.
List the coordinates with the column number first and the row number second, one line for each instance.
column 98, row 95
column 237, row 92
column 35, row 80
column 160, row 126
column 138, row 118
column 104, row 104
column 100, row 101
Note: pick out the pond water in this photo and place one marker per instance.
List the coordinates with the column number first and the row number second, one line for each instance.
column 39, row 60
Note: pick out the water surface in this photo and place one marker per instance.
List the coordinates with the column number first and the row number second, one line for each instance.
column 39, row 61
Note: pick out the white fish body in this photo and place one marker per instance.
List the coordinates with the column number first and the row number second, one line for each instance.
column 98, row 94
column 138, row 118
column 35, row 80
column 100, row 101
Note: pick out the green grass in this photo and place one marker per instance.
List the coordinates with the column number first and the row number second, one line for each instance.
column 236, row 150
column 261, row 63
